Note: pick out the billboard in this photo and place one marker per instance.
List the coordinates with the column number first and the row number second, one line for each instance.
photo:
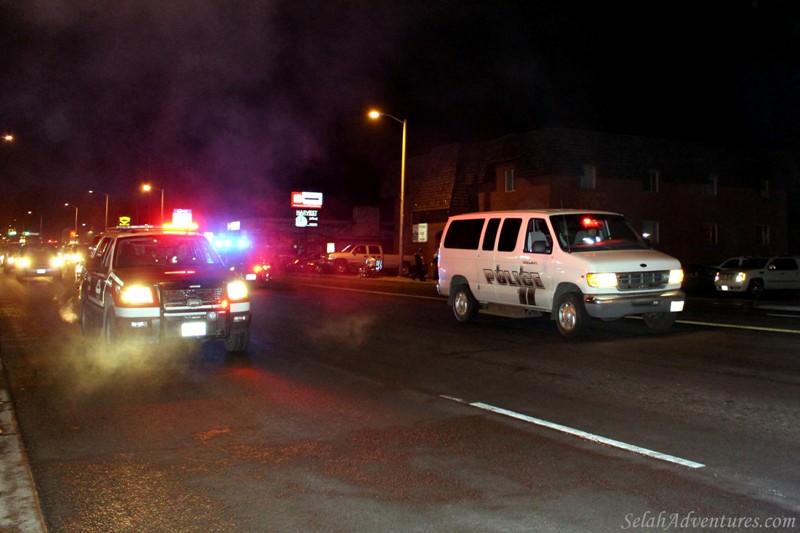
column 307, row 200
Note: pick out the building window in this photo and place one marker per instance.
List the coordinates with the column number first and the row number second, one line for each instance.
column 762, row 235
column 650, row 230
column 764, row 188
column 651, row 181
column 511, row 185
column 713, row 233
column 710, row 185
column 589, row 177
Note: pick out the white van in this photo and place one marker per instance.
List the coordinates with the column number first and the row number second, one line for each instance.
column 572, row 264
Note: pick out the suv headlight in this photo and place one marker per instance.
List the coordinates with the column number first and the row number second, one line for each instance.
column 237, row 290
column 740, row 277
column 136, row 295
column 24, row 262
column 602, row 280
column 676, row 276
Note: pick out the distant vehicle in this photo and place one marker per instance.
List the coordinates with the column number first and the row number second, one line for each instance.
column 256, row 268
column 353, row 256
column 756, row 275
column 700, row 278
column 311, row 263
column 38, row 260
column 74, row 256
column 149, row 284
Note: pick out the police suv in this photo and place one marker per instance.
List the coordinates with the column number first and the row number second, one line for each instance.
column 146, row 283
column 571, row 264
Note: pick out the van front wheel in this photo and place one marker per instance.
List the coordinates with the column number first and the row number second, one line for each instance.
column 571, row 316
column 659, row 322
column 465, row 306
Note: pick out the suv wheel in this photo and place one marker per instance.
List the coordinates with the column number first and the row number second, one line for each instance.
column 238, row 342
column 756, row 288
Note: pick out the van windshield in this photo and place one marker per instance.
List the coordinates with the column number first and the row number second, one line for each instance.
column 585, row 232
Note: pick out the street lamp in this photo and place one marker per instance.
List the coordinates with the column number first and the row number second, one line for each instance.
column 105, row 224
column 375, row 114
column 41, row 220
column 147, row 188
column 76, row 219
column 8, row 138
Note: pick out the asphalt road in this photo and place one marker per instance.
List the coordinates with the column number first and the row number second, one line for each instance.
column 363, row 406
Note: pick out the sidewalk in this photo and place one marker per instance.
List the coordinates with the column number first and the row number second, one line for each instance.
column 19, row 503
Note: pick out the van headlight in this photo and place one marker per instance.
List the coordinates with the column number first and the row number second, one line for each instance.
column 676, row 276
column 237, row 290
column 136, row 295
column 602, row 280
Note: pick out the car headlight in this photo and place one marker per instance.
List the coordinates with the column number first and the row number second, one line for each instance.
column 676, row 276
column 56, row 262
column 136, row 295
column 237, row 290
column 740, row 277
column 24, row 262
column 602, row 280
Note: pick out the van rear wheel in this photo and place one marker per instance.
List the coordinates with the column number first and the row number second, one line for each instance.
column 465, row 306
column 571, row 316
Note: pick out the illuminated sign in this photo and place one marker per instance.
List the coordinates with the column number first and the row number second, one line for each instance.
column 306, row 218
column 234, row 226
column 308, row 200
column 419, row 232
column 124, row 221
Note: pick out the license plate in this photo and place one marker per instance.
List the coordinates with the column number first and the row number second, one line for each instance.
column 41, row 271
column 676, row 307
column 193, row 329
column 250, row 277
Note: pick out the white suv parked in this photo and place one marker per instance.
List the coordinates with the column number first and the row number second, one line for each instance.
column 758, row 274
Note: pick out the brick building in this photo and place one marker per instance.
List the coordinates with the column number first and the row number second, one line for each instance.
column 699, row 202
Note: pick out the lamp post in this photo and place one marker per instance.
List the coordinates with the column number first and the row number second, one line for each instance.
column 375, row 114
column 105, row 223
column 147, row 188
column 41, row 222
column 76, row 219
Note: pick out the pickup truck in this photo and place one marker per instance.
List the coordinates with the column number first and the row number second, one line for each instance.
column 354, row 256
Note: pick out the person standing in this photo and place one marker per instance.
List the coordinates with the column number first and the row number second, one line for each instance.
column 419, row 263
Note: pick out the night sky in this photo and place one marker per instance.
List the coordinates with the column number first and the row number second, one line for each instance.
column 229, row 105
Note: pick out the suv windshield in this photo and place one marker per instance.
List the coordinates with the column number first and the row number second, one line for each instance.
column 754, row 262
column 165, row 251
column 595, row 231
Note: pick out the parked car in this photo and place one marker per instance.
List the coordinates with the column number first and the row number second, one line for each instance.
column 700, row 278
column 308, row 263
column 758, row 274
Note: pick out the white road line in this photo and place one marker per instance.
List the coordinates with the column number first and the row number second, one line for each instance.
column 582, row 434
column 736, row 326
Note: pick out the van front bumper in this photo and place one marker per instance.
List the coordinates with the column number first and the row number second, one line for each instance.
column 609, row 306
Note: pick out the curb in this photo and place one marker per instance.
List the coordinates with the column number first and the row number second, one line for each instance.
column 19, row 501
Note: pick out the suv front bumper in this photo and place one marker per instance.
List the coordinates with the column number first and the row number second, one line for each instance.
column 610, row 306
column 150, row 324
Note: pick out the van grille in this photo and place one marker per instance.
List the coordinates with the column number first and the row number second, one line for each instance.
column 635, row 281
column 191, row 297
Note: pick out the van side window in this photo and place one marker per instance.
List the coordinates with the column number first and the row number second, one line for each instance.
column 509, row 235
column 537, row 232
column 464, row 234
column 491, row 234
